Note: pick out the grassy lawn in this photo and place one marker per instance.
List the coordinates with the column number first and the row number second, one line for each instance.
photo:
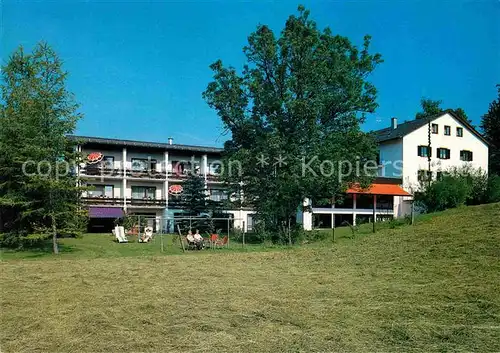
column 432, row 287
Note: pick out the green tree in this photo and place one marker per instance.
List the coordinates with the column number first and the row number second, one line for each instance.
column 429, row 108
column 433, row 107
column 490, row 124
column 38, row 188
column 296, row 107
column 194, row 196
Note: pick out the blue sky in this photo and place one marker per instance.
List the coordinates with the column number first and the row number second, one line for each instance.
column 138, row 69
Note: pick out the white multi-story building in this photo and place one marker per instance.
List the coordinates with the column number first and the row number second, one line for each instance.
column 145, row 178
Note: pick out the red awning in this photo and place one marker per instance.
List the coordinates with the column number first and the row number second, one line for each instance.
column 378, row 189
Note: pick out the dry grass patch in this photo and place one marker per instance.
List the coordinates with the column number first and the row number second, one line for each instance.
column 433, row 287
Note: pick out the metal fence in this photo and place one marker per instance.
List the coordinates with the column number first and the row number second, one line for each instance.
column 171, row 225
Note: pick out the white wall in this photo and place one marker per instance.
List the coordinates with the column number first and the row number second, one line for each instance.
column 240, row 216
column 469, row 141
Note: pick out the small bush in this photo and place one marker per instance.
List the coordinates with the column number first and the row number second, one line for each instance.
column 459, row 186
column 493, row 189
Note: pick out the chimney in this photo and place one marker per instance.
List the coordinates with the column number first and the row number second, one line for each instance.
column 170, row 140
column 394, row 123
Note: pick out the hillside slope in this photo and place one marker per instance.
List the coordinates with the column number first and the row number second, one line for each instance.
column 432, row 287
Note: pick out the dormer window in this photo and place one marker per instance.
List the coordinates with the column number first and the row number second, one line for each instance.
column 443, row 153
column 466, row 156
column 460, row 132
column 435, row 128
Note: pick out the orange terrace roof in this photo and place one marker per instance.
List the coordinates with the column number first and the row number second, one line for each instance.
column 378, row 189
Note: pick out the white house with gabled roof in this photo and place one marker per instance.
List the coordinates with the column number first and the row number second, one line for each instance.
column 449, row 141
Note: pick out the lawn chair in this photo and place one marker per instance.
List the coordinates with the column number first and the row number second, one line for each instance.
column 222, row 242
column 147, row 236
column 120, row 235
column 212, row 239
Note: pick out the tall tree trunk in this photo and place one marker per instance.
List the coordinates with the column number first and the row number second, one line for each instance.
column 55, row 247
column 289, row 233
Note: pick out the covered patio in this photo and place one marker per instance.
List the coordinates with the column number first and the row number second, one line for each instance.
column 375, row 202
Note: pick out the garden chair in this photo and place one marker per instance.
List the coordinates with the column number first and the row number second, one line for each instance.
column 120, row 234
column 213, row 239
column 222, row 242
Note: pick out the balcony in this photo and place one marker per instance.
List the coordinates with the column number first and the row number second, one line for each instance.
column 145, row 174
column 102, row 200
column 117, row 173
column 108, row 201
column 101, row 171
column 146, row 202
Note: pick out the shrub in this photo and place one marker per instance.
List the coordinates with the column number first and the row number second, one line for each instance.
column 459, row 186
column 493, row 189
column 449, row 192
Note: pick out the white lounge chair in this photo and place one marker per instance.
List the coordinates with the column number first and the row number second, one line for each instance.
column 119, row 233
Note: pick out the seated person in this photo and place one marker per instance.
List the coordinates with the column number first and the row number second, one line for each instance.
column 190, row 237
column 198, row 239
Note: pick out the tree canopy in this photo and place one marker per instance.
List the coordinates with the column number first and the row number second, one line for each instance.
column 38, row 187
column 294, row 114
column 490, row 124
column 433, row 107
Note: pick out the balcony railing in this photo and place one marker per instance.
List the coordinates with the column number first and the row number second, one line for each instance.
column 99, row 171
column 147, row 174
column 146, row 202
column 143, row 174
column 101, row 200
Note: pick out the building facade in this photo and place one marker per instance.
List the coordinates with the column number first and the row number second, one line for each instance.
column 417, row 150
column 145, row 178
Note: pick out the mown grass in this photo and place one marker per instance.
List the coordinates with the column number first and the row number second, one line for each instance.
column 432, row 287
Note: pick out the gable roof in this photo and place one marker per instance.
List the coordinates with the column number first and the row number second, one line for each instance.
column 407, row 127
column 142, row 144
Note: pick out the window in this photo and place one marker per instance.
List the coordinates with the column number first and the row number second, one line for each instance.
column 447, row 130
column 218, row 195
column 424, row 175
column 460, row 132
column 143, row 165
column 108, row 162
column 424, row 151
column 101, row 191
column 466, row 156
column 144, row 192
column 178, row 167
column 435, row 128
column 443, row 153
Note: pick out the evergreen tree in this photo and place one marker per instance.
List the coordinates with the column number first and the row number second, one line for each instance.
column 194, row 196
column 490, row 124
column 38, row 186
